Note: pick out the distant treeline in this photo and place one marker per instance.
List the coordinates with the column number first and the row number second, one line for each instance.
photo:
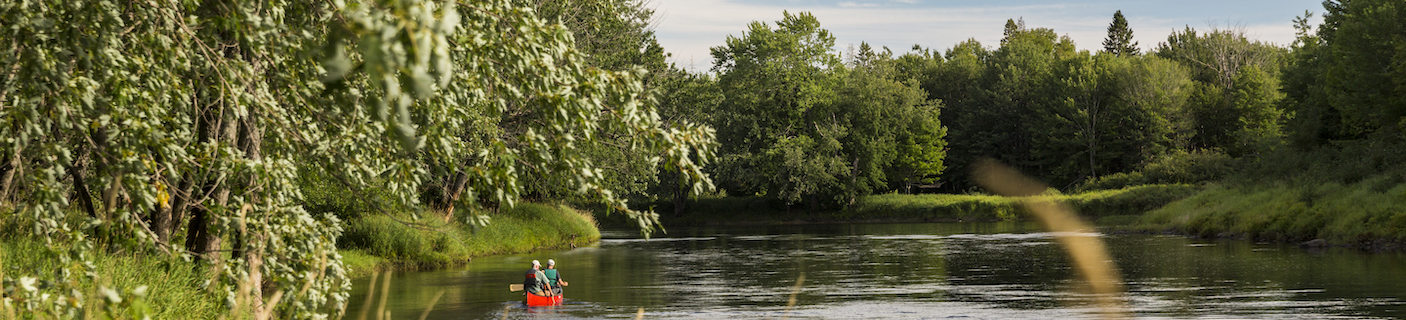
column 816, row 127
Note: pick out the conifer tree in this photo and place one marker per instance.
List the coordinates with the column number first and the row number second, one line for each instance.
column 1120, row 37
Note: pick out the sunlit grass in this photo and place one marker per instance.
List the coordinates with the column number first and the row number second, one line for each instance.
column 1363, row 213
column 173, row 285
column 374, row 242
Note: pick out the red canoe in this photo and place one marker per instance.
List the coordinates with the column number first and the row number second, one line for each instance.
column 537, row 301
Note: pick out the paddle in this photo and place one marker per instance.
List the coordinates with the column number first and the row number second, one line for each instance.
column 515, row 287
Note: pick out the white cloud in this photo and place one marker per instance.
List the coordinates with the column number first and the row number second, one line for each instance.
column 852, row 4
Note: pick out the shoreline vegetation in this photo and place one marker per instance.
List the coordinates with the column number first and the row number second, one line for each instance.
column 398, row 242
column 914, row 208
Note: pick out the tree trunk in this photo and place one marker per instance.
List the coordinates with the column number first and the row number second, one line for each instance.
column 216, row 125
column 199, row 239
column 680, row 196
column 180, row 202
column 7, row 175
column 80, row 186
column 853, row 182
column 453, row 189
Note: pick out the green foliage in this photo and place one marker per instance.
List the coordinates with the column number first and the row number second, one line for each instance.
column 613, row 35
column 1087, row 130
column 1365, row 72
column 994, row 120
column 972, row 207
column 1120, row 38
column 324, row 195
column 1235, row 104
column 1160, row 88
column 895, row 138
column 1348, row 79
column 771, row 79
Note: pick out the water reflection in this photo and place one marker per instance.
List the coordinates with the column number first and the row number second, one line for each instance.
column 906, row 271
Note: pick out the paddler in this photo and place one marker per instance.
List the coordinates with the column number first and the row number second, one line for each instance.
column 536, row 281
column 553, row 277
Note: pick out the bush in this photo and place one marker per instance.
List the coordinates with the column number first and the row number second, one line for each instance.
column 1179, row 167
column 935, row 207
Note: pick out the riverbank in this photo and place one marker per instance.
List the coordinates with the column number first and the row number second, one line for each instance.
column 1117, row 204
column 398, row 242
column 1367, row 214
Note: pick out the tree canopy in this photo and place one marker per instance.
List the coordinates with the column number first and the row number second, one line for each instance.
column 798, row 124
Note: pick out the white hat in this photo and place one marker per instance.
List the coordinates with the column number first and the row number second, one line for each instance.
column 551, row 262
column 535, row 263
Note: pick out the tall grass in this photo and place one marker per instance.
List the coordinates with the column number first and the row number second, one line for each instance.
column 397, row 241
column 173, row 286
column 1371, row 212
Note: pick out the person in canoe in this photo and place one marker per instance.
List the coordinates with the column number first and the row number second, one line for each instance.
column 536, row 281
column 554, row 277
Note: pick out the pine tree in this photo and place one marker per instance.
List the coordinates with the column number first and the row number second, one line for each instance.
column 1012, row 27
column 1120, row 37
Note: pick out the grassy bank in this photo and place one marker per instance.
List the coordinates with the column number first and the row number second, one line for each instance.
column 1350, row 193
column 1368, row 213
column 380, row 242
column 1121, row 202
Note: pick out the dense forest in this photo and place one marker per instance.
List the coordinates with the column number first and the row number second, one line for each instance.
column 242, row 134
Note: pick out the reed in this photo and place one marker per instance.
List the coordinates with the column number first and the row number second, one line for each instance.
column 1087, row 252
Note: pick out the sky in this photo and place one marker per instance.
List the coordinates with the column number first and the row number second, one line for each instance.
column 688, row 28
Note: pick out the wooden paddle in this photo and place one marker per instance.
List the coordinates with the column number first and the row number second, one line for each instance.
column 515, row 287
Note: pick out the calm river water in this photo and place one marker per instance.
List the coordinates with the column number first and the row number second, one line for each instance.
column 908, row 271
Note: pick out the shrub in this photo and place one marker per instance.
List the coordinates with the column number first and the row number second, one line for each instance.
column 1179, row 167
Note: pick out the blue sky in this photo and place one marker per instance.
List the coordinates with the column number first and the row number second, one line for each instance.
column 687, row 28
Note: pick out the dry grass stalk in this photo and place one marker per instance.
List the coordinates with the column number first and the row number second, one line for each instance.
column 1088, row 253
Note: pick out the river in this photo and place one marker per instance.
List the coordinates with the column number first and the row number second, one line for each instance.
column 906, row 271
